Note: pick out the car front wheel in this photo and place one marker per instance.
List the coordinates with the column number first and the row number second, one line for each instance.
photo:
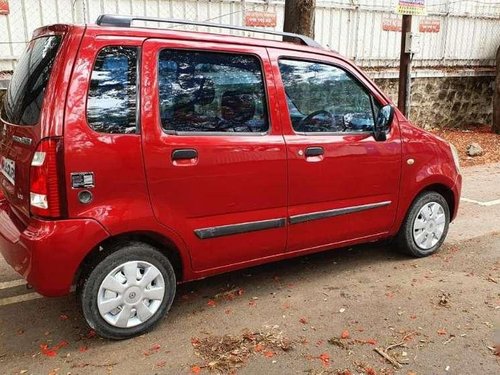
column 425, row 226
column 128, row 291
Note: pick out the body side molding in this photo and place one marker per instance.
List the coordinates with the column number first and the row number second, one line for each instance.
column 297, row 219
column 226, row 230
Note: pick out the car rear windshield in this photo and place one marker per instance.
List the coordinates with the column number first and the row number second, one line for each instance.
column 23, row 100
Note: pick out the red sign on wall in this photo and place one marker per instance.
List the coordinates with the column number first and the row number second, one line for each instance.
column 391, row 24
column 4, row 6
column 262, row 19
column 429, row 26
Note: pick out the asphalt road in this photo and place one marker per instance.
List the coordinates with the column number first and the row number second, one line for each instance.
column 320, row 314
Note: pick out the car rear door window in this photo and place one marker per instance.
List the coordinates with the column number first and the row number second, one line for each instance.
column 211, row 92
column 325, row 98
column 112, row 98
column 24, row 98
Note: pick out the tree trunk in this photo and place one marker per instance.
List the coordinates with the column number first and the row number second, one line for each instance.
column 496, row 98
column 299, row 18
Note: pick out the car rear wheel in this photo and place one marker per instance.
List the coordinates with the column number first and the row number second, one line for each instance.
column 128, row 291
column 425, row 226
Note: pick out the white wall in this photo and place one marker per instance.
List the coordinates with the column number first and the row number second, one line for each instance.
column 469, row 35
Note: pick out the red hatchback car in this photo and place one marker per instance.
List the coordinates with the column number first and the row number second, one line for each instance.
column 135, row 158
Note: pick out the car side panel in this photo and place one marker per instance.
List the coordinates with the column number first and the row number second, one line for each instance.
column 432, row 164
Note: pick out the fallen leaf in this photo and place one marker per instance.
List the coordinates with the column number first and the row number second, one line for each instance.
column 370, row 371
column 63, row 317
column 303, row 320
column 442, row 331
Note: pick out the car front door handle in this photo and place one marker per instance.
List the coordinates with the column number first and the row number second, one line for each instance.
column 314, row 151
column 184, row 154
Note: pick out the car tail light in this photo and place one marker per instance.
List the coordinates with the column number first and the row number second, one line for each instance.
column 46, row 185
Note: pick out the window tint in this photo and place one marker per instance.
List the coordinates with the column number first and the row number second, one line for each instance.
column 24, row 98
column 324, row 98
column 211, row 92
column 111, row 105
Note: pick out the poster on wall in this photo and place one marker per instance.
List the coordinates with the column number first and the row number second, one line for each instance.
column 411, row 7
column 4, row 6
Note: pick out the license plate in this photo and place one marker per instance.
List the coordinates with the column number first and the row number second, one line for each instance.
column 9, row 169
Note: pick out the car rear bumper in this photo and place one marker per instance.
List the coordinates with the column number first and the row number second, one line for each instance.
column 457, row 191
column 47, row 253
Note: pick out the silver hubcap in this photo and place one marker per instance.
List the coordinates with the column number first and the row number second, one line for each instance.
column 428, row 227
column 131, row 294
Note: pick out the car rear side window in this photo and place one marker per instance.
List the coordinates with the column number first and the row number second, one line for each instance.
column 24, row 98
column 112, row 98
column 211, row 92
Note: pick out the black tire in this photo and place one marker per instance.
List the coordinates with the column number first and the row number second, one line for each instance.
column 405, row 240
column 89, row 288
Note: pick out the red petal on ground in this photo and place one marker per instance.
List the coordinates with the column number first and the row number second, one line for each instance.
column 63, row 317
column 52, row 352
column 91, row 334
column 83, row 348
column 303, row 320
column 45, row 350
column 269, row 354
column 161, row 364
column 345, row 334
column 442, row 331
column 325, row 359
column 259, row 347
column 211, row 303
column 195, row 369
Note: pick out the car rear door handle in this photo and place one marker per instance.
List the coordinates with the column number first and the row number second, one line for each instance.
column 314, row 151
column 184, row 154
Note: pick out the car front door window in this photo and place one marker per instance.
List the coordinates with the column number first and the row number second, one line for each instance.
column 325, row 98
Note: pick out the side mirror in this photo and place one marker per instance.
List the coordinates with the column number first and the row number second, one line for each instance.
column 383, row 122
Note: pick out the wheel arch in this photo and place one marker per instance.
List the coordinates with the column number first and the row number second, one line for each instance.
column 443, row 190
column 111, row 244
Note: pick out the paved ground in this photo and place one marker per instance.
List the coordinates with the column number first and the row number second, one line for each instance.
column 440, row 312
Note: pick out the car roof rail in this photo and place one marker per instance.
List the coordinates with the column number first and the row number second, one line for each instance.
column 126, row 21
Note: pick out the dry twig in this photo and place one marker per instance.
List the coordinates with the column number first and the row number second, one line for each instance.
column 391, row 360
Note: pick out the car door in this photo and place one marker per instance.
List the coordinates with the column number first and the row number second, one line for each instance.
column 214, row 153
column 343, row 185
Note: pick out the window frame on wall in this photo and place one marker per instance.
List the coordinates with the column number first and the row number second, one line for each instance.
column 374, row 102
column 135, row 110
column 265, row 98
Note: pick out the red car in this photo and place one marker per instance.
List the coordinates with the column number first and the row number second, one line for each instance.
column 135, row 158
